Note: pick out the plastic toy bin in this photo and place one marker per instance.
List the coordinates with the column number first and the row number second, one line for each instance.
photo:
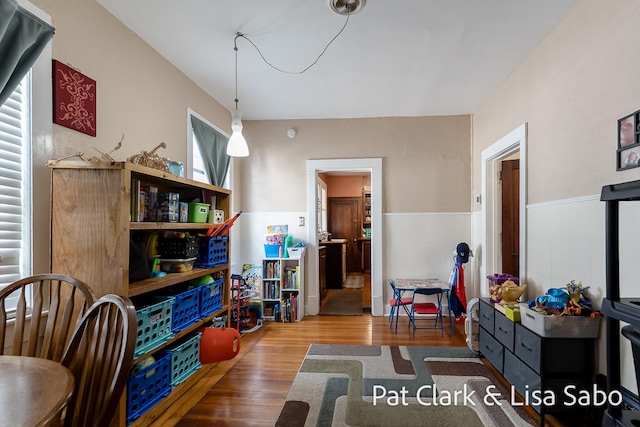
column 211, row 297
column 273, row 251
column 148, row 386
column 198, row 212
column 559, row 326
column 212, row 251
column 175, row 247
column 186, row 307
column 154, row 325
column 185, row 359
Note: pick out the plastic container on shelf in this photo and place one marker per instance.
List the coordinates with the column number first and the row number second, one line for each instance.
column 176, row 265
column 198, row 212
column 177, row 248
column 148, row 386
column 154, row 325
column 185, row 310
column 210, row 297
column 185, row 358
column 273, row 251
column 496, row 280
column 212, row 251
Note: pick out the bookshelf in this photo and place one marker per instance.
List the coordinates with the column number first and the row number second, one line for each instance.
column 96, row 211
column 283, row 289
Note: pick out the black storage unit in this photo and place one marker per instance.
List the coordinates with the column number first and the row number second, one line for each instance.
column 532, row 364
column 618, row 309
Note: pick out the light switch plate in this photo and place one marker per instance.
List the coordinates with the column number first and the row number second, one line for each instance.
column 301, row 221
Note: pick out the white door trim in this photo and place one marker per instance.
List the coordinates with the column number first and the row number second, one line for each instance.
column 373, row 166
column 515, row 141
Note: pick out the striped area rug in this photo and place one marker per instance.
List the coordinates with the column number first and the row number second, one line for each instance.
column 354, row 385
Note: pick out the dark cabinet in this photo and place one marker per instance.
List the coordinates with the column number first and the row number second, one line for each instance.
column 366, row 256
column 535, row 364
column 335, row 264
column 322, row 268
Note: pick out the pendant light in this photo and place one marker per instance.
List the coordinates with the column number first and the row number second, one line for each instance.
column 237, row 145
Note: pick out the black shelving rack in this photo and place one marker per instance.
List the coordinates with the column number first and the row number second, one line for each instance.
column 615, row 308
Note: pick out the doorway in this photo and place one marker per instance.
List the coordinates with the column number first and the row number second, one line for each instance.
column 510, row 216
column 373, row 166
column 512, row 144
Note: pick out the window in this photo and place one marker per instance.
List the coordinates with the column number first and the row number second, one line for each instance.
column 15, row 185
column 322, row 206
column 212, row 166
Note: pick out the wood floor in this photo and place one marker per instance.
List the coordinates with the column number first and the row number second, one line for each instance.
column 249, row 390
column 254, row 389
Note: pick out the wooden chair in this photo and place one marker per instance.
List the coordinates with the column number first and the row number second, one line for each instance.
column 100, row 357
column 43, row 328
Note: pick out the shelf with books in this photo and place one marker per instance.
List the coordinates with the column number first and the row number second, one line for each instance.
column 283, row 288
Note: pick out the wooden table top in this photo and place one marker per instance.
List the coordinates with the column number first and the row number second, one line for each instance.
column 32, row 390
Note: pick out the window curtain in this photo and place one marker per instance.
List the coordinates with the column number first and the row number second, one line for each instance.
column 213, row 149
column 23, row 36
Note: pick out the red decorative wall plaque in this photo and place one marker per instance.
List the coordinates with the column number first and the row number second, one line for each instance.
column 74, row 99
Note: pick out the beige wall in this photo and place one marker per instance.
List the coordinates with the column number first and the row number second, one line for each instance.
column 426, row 160
column 571, row 91
column 139, row 93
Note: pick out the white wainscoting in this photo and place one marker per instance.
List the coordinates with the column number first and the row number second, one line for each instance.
column 566, row 241
column 422, row 245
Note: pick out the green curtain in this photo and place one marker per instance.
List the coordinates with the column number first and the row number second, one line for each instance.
column 213, row 149
column 23, row 36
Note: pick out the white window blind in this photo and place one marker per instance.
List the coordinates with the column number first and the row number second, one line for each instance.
column 15, row 218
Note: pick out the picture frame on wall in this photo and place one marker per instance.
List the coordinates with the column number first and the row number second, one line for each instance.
column 627, row 131
column 629, row 158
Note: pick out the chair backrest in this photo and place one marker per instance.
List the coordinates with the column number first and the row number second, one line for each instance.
column 49, row 306
column 430, row 291
column 100, row 357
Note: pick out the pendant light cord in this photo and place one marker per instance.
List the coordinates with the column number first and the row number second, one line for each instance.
column 235, row 47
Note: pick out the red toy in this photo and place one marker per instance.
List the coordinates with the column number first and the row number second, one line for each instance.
column 218, row 344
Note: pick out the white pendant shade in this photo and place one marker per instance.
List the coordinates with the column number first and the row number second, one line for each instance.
column 237, row 145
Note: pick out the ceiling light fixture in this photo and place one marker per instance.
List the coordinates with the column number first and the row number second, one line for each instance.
column 237, row 145
column 346, row 7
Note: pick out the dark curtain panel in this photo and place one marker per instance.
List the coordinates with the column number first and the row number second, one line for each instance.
column 22, row 38
column 213, row 148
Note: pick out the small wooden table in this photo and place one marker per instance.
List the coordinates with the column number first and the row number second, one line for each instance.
column 33, row 391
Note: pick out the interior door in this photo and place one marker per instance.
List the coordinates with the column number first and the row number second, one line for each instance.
column 510, row 177
column 344, row 222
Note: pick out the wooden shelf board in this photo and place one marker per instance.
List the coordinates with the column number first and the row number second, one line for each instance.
column 155, row 283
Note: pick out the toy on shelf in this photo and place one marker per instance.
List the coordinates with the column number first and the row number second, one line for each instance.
column 151, row 159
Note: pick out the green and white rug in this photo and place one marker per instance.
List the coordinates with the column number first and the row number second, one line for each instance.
column 354, row 385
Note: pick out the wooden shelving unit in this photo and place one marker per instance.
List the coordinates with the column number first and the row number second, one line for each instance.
column 283, row 289
column 91, row 230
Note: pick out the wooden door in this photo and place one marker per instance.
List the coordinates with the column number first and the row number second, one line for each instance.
column 344, row 223
column 510, row 177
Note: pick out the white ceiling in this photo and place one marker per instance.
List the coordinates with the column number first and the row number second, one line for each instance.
column 393, row 59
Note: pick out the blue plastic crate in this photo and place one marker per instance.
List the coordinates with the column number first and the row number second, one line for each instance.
column 273, row 251
column 148, row 386
column 186, row 309
column 212, row 251
column 185, row 359
column 211, row 297
column 154, row 325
